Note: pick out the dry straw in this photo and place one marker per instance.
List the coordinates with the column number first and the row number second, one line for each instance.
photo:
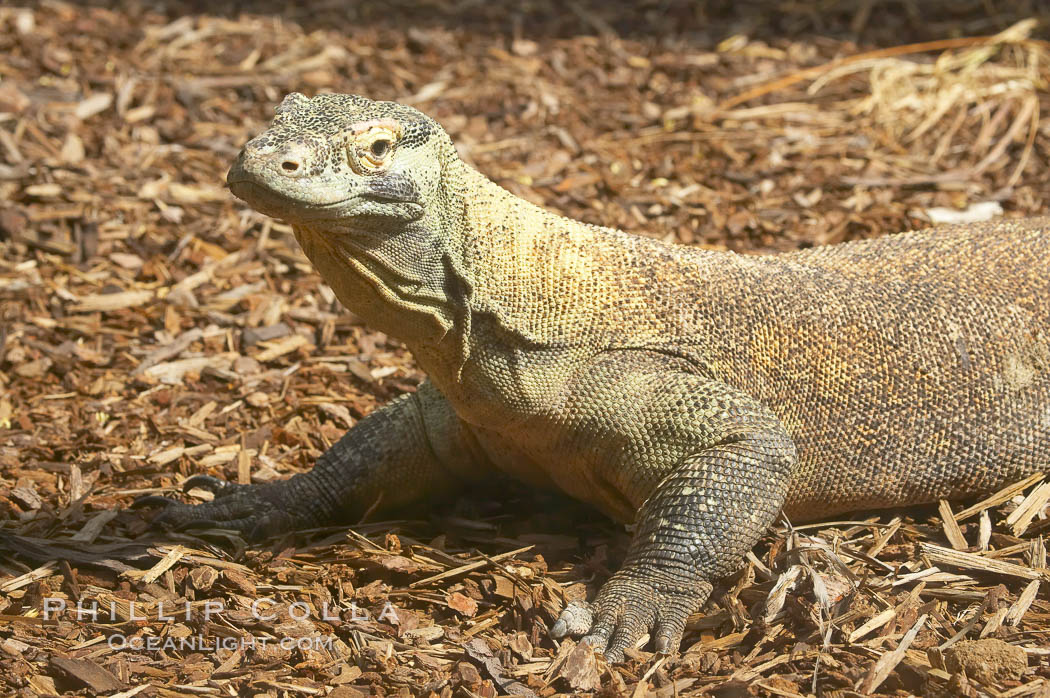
column 961, row 111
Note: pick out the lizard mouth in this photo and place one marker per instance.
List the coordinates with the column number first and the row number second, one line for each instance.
column 280, row 205
column 266, row 199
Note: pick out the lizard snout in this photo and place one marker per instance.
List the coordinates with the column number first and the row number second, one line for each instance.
column 292, row 160
column 262, row 156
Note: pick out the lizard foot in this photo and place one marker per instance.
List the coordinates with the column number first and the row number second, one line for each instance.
column 255, row 511
column 628, row 607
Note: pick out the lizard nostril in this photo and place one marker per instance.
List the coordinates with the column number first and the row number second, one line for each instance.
column 290, row 166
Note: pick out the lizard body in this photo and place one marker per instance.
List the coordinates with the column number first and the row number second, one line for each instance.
column 693, row 393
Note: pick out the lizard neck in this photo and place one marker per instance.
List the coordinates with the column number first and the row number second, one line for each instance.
column 482, row 272
column 405, row 281
column 482, row 260
column 532, row 270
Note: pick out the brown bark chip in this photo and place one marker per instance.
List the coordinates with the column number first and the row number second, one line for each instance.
column 988, row 661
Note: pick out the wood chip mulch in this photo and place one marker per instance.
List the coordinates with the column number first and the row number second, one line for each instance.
column 153, row 328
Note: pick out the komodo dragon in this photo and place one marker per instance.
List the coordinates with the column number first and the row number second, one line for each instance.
column 693, row 393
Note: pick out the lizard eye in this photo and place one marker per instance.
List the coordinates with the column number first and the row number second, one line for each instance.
column 370, row 152
column 380, row 147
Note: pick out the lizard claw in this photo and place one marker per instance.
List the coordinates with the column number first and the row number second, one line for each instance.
column 149, row 500
column 628, row 607
column 574, row 621
column 215, row 485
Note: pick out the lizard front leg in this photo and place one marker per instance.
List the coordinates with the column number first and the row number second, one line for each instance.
column 412, row 448
column 722, row 463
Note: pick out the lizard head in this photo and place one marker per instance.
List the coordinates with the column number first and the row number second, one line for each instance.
column 341, row 162
column 369, row 189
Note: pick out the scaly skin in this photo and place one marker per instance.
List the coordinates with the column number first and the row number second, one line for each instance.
column 693, row 393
